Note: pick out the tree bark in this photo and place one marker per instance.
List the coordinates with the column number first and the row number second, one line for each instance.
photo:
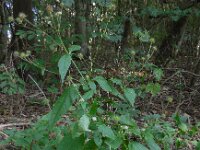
column 126, row 35
column 3, row 33
column 166, row 49
column 82, row 14
column 20, row 6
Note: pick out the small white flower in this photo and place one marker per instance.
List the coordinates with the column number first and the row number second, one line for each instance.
column 49, row 22
column 59, row 13
column 124, row 127
column 94, row 118
column 81, row 100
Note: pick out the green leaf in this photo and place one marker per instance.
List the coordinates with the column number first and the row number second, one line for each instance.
column 153, row 88
column 103, row 83
column 183, row 127
column 63, row 104
column 106, row 131
column 136, row 146
column 198, row 146
column 92, row 86
column 74, row 48
column 106, row 86
column 116, row 81
column 90, row 145
column 151, row 142
column 70, row 143
column 126, row 120
column 130, row 95
column 158, row 73
column 97, row 138
column 144, row 37
column 114, row 143
column 63, row 65
column 84, row 123
column 88, row 95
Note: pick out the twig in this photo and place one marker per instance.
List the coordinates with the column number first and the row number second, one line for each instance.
column 2, row 126
column 39, row 89
column 5, row 136
column 183, row 71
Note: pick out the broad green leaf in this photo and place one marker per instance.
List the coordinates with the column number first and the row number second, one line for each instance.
column 116, row 81
column 92, row 86
column 106, row 131
column 84, row 123
column 103, row 83
column 153, row 88
column 151, row 142
column 183, row 127
column 114, row 143
column 97, row 138
column 63, row 65
column 136, row 146
column 90, row 145
column 126, row 120
column 198, row 146
column 70, row 143
column 158, row 73
column 106, row 86
column 88, row 95
column 144, row 37
column 130, row 95
column 63, row 104
column 74, row 48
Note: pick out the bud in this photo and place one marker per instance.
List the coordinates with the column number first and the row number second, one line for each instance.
column 22, row 55
column 58, row 13
column 124, row 127
column 22, row 16
column 94, row 118
column 49, row 9
column 152, row 40
column 81, row 100
column 16, row 53
column 28, row 53
column 10, row 19
column 80, row 56
column 18, row 20
column 133, row 52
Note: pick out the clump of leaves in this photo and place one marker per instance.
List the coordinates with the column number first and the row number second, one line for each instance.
column 10, row 82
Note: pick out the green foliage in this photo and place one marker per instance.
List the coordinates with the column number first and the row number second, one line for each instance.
column 94, row 111
column 10, row 82
column 63, row 65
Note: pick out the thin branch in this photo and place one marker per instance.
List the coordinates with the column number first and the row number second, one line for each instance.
column 2, row 126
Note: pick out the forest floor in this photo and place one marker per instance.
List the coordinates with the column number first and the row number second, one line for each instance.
column 20, row 110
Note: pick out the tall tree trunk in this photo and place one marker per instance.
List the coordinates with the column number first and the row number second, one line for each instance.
column 17, row 44
column 126, row 35
column 81, row 17
column 20, row 6
column 166, row 49
column 3, row 33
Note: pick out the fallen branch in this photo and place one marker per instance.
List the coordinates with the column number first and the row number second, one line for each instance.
column 2, row 126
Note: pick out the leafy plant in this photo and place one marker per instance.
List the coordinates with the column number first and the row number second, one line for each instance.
column 10, row 82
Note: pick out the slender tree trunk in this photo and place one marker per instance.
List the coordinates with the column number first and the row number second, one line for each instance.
column 17, row 44
column 166, row 48
column 20, row 6
column 3, row 33
column 81, row 17
column 126, row 35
